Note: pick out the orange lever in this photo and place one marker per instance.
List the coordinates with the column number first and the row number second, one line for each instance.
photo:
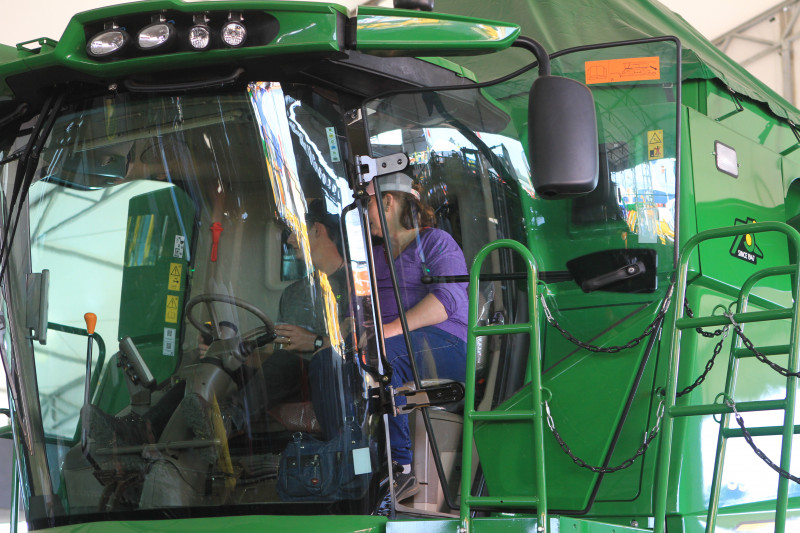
column 91, row 322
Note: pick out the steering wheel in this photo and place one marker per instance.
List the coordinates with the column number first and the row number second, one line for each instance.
column 209, row 299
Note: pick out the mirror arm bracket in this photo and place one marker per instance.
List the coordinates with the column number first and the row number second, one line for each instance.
column 537, row 50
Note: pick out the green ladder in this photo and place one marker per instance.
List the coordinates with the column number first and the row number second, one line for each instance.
column 533, row 379
column 741, row 316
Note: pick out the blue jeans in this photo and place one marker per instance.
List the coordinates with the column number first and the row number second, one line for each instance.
column 439, row 355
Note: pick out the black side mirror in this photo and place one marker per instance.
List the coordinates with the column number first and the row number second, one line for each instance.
column 562, row 138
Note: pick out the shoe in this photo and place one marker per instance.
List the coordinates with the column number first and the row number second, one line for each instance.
column 405, row 486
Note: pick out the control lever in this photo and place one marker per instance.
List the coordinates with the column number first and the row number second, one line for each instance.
column 622, row 273
column 91, row 322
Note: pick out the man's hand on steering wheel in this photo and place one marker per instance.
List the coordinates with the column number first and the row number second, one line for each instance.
column 296, row 338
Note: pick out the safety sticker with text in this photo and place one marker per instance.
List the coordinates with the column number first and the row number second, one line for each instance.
column 623, row 70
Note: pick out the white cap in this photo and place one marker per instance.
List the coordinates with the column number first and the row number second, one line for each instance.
column 396, row 181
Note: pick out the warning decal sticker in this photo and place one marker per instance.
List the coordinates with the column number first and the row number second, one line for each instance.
column 623, row 70
column 175, row 276
column 333, row 144
column 172, row 309
column 655, row 144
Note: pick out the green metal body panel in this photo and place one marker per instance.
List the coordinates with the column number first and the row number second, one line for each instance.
column 308, row 28
column 387, row 30
column 231, row 524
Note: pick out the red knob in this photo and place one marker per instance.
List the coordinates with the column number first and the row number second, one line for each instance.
column 216, row 229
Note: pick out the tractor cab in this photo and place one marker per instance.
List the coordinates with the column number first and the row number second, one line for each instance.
column 221, row 236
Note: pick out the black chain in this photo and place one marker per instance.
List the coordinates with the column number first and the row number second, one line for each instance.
column 648, row 438
column 749, row 438
column 653, row 326
column 710, row 363
column 760, row 356
column 701, row 331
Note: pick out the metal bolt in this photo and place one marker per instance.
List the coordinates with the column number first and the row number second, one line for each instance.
column 112, row 87
column 399, row 161
column 634, row 523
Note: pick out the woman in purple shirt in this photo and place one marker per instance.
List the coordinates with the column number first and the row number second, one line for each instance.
column 436, row 313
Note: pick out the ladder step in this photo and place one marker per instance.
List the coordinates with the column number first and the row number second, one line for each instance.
column 718, row 408
column 740, row 318
column 780, row 349
column 501, row 415
column 502, row 329
column 757, row 432
column 502, row 501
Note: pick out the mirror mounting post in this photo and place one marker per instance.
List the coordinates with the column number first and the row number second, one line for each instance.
column 37, row 286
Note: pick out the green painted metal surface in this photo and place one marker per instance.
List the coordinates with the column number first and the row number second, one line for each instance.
column 236, row 524
column 418, row 33
column 306, row 27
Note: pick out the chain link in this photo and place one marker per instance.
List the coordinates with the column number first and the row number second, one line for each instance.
column 653, row 326
column 709, row 363
column 749, row 438
column 758, row 355
column 701, row 331
column 648, row 438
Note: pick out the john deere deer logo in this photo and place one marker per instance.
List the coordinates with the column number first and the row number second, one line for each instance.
column 744, row 246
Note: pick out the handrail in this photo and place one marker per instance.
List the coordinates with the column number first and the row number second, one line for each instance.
column 662, row 466
column 532, row 376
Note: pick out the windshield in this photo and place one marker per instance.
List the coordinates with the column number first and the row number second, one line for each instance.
column 209, row 235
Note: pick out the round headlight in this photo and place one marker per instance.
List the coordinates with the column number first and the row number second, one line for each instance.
column 107, row 42
column 233, row 33
column 155, row 35
column 199, row 37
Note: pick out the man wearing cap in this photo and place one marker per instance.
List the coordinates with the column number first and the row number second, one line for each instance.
column 302, row 327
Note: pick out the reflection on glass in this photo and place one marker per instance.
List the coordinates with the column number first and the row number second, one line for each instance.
column 172, row 219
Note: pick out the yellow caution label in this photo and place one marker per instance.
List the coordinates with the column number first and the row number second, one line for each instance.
column 172, row 309
column 655, row 144
column 175, row 276
column 623, row 70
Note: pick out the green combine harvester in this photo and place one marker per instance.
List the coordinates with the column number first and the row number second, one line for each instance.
column 626, row 198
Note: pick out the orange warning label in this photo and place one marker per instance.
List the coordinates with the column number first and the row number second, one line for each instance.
column 623, row 70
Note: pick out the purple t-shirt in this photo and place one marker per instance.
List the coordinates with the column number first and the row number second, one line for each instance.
column 441, row 256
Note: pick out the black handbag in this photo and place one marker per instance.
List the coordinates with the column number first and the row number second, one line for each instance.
column 315, row 470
